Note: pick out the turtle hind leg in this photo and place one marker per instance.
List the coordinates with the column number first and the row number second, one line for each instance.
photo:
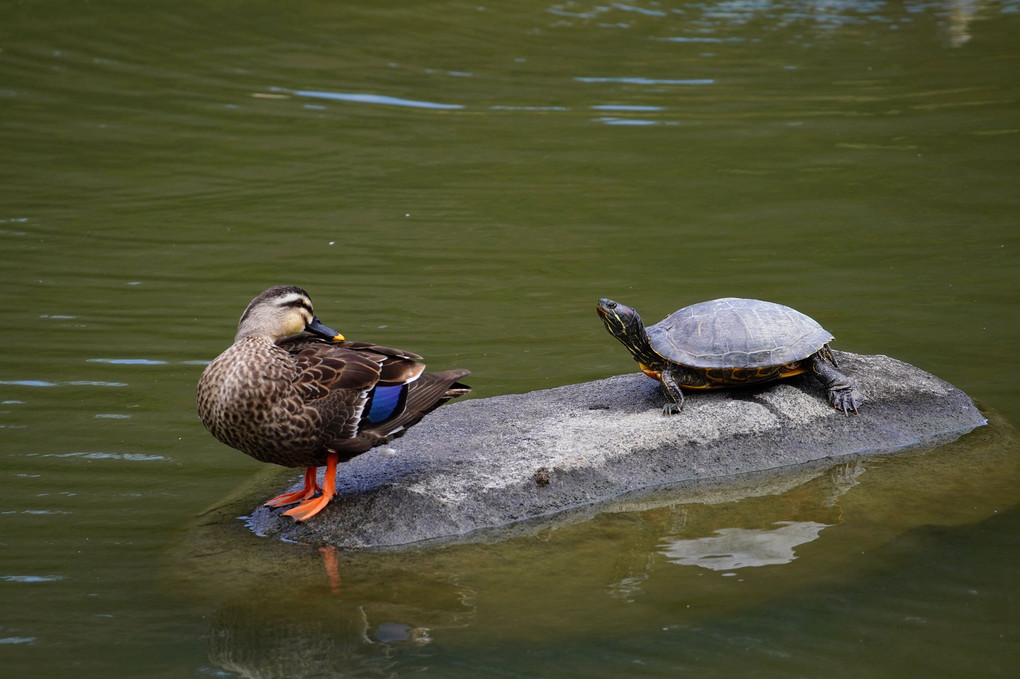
column 843, row 395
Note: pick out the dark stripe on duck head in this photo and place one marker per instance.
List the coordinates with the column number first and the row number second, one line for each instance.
column 299, row 303
column 299, row 297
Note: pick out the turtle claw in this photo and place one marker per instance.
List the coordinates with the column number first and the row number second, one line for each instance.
column 671, row 409
column 846, row 399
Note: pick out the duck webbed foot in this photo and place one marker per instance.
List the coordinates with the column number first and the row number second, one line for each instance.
column 309, row 508
column 309, row 490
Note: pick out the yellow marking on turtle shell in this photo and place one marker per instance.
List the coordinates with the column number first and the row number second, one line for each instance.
column 654, row 374
column 724, row 379
column 791, row 369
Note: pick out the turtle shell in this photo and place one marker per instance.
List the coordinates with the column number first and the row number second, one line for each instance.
column 736, row 333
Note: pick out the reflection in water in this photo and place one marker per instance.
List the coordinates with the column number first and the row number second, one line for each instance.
column 290, row 626
column 821, row 15
column 340, row 646
column 283, row 610
column 734, row 548
column 355, row 634
column 962, row 13
column 737, row 529
column 843, row 477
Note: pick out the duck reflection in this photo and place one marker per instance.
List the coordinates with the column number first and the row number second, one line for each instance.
column 342, row 627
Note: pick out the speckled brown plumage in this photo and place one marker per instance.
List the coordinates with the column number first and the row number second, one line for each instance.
column 285, row 392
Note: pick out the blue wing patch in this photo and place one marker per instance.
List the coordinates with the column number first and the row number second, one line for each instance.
column 386, row 403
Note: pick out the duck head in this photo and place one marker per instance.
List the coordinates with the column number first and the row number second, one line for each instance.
column 282, row 311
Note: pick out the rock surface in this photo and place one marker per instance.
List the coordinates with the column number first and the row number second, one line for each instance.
column 487, row 463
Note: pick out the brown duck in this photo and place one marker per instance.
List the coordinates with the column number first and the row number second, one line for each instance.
column 290, row 391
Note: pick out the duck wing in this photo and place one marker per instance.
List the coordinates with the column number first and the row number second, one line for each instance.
column 324, row 367
column 366, row 394
column 418, row 399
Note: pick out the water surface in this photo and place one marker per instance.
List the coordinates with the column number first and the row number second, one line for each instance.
column 465, row 180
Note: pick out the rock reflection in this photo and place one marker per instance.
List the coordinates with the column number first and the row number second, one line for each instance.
column 961, row 14
column 740, row 527
column 732, row 548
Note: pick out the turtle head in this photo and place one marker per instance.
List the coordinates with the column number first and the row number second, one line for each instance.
column 622, row 322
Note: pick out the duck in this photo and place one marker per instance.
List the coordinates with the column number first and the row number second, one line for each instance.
column 294, row 392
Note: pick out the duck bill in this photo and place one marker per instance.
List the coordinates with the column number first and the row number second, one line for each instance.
column 322, row 330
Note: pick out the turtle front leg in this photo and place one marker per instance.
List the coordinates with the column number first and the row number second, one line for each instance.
column 671, row 390
column 843, row 395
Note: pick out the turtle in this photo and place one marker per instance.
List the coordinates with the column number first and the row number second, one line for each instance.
column 729, row 342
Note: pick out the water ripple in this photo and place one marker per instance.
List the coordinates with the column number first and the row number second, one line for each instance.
column 17, row 640
column 127, row 361
column 75, row 383
column 622, row 107
column 629, row 121
column 96, row 383
column 131, row 457
column 363, row 98
column 646, row 81
column 31, row 578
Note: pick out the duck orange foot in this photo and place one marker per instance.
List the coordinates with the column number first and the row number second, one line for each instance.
column 310, row 505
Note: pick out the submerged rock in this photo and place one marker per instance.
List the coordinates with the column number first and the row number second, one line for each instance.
column 487, row 463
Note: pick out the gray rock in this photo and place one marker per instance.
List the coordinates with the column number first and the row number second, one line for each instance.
column 478, row 465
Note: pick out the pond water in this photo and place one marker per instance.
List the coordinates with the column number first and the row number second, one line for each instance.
column 464, row 180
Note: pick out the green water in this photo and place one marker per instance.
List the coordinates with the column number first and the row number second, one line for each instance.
column 464, row 180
